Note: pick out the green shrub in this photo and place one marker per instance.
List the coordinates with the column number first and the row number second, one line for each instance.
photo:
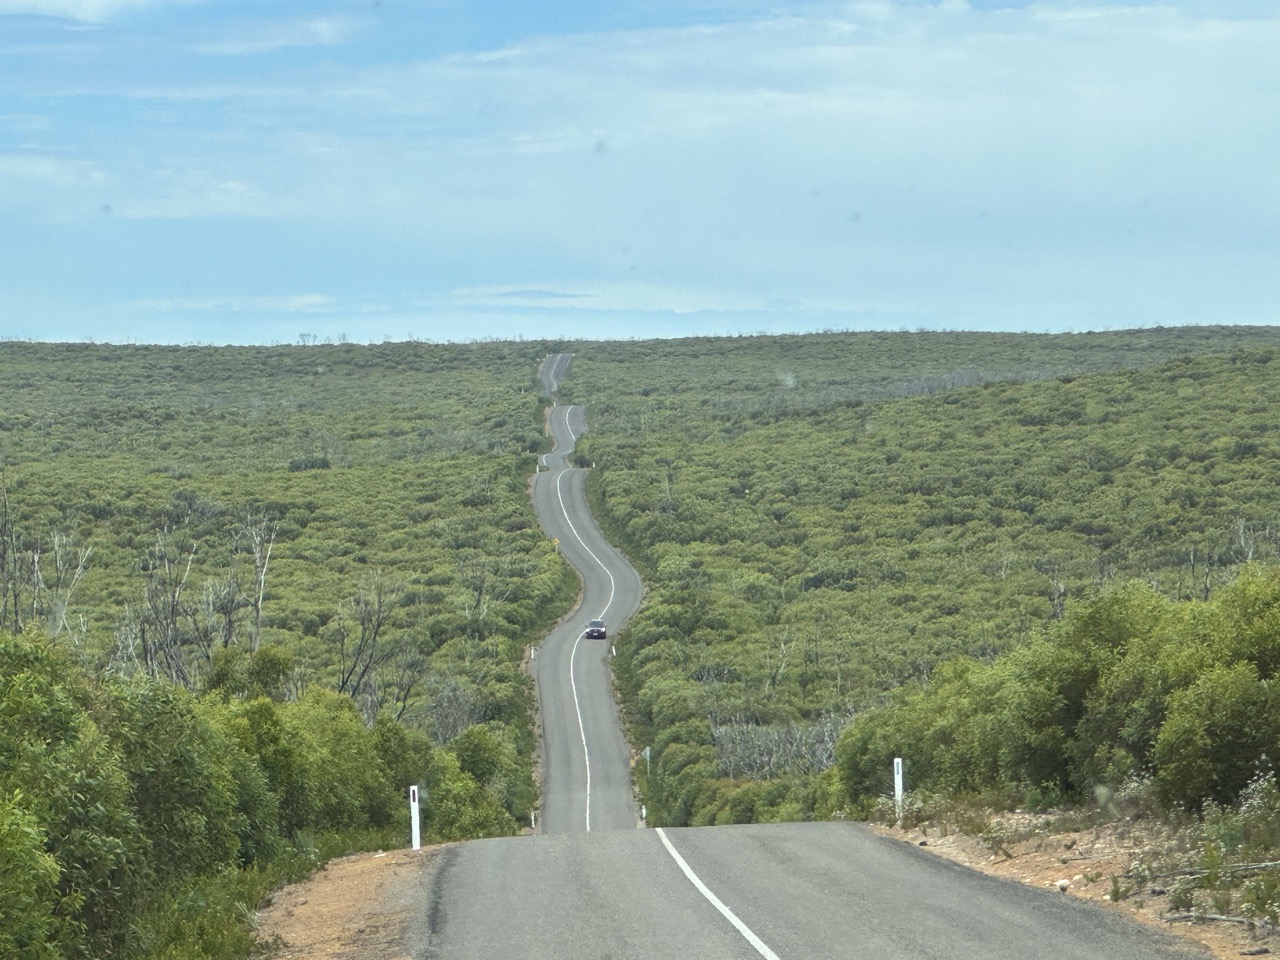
column 28, row 885
column 182, row 785
column 456, row 807
column 1216, row 733
column 73, row 792
column 339, row 780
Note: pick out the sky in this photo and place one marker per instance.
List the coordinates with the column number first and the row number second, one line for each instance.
column 243, row 171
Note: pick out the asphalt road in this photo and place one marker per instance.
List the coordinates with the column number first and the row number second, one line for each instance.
column 591, row 886
column 586, row 763
column 788, row 891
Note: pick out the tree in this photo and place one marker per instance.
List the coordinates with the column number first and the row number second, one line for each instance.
column 151, row 636
column 364, row 643
column 260, row 534
column 1216, row 734
column 29, row 590
column 28, row 885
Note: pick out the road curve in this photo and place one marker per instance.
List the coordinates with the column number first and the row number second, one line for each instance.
column 586, row 783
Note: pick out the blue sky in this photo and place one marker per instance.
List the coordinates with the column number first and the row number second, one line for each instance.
column 215, row 171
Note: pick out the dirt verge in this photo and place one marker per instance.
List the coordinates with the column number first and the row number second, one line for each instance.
column 359, row 907
column 1088, row 864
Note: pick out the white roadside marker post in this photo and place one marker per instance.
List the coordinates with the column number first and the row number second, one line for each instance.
column 415, row 821
column 897, row 787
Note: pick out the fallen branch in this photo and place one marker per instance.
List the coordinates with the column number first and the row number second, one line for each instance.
column 1234, row 868
column 1220, row 918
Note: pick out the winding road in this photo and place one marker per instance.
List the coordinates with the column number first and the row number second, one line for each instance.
column 586, row 764
column 590, row 885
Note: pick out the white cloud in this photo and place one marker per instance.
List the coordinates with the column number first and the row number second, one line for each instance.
column 26, row 169
column 257, row 38
column 26, row 124
column 53, row 189
column 598, row 297
column 296, row 303
column 875, row 158
column 93, row 11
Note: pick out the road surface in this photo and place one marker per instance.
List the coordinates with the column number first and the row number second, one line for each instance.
column 591, row 886
column 787, row 891
column 586, row 763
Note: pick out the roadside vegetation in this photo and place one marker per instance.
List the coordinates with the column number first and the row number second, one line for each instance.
column 1040, row 569
column 247, row 597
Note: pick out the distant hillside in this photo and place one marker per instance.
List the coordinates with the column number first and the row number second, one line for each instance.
column 409, row 459
column 813, row 540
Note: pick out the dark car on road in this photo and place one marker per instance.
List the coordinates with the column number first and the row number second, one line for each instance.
column 596, row 630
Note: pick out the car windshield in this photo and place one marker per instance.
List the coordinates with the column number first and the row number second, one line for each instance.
column 596, row 623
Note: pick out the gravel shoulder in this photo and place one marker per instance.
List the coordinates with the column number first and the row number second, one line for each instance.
column 363, row 906
column 1082, row 864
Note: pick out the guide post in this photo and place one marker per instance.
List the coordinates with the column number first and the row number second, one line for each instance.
column 415, row 822
column 897, row 786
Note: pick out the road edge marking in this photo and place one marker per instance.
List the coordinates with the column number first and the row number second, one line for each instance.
column 760, row 946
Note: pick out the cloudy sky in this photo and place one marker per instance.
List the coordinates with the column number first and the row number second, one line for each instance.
column 225, row 171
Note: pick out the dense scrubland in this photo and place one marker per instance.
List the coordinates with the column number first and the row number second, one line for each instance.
column 249, row 596
column 1042, row 570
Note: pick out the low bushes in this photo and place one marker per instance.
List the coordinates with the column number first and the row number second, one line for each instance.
column 127, row 805
column 1129, row 685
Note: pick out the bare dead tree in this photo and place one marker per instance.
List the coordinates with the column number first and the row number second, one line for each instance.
column 778, row 660
column 396, row 686
column 1052, row 568
column 37, row 577
column 69, row 565
column 216, row 617
column 362, row 624
column 47, row 576
column 764, row 751
column 453, row 705
column 152, row 634
column 125, row 657
column 488, row 581
column 10, row 578
column 260, row 533
column 1058, row 594
column 1216, row 549
column 404, row 680
column 1246, row 538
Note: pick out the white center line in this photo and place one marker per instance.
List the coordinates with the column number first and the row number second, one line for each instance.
column 760, row 946
column 573, row 683
column 582, row 730
column 578, row 537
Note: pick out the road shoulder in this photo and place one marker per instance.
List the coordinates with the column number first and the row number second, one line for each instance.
column 363, row 905
column 1081, row 864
